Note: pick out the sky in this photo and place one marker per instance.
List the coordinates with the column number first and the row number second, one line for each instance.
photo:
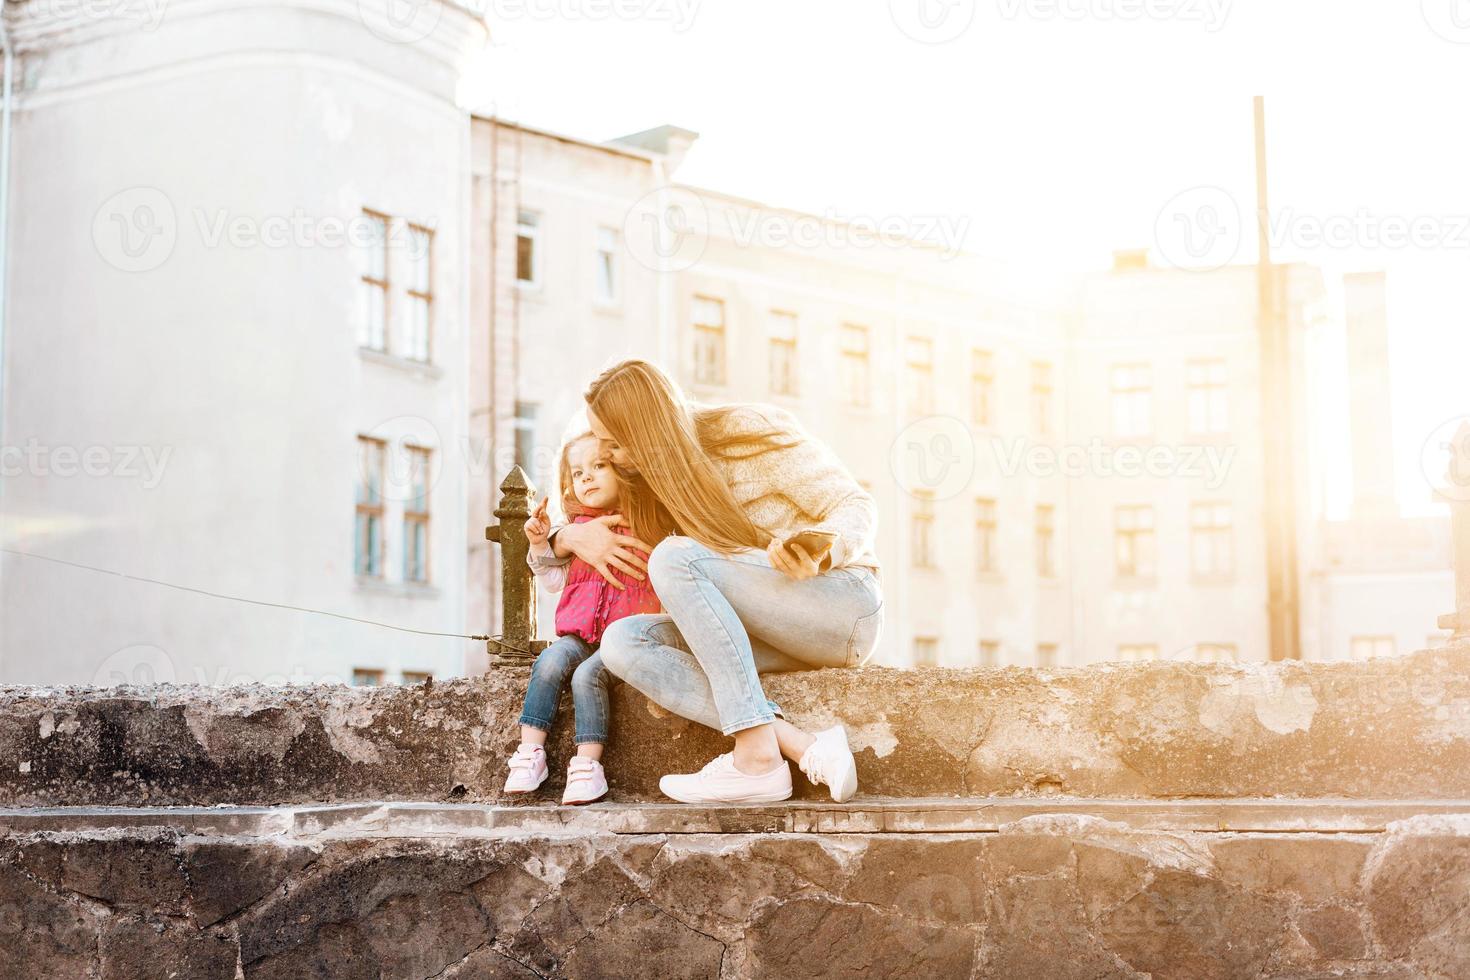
column 1057, row 131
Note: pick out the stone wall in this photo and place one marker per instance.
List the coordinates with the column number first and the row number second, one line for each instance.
column 1046, row 896
column 1391, row 728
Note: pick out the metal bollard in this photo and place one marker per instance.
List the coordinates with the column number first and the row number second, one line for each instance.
column 516, row 645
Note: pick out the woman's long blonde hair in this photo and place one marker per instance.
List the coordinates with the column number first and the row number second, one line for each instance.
column 677, row 488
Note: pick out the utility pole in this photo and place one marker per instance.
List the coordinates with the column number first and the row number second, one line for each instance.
column 1278, row 428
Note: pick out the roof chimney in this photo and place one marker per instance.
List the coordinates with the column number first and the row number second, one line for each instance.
column 670, row 142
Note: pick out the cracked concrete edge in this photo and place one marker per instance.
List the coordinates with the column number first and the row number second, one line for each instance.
column 1384, row 728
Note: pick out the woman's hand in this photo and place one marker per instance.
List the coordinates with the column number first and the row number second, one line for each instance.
column 538, row 526
column 596, row 543
column 797, row 569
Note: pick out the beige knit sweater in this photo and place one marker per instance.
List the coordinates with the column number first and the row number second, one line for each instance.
column 801, row 487
column 798, row 488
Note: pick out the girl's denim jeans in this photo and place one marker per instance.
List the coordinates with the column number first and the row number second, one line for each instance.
column 574, row 656
column 729, row 618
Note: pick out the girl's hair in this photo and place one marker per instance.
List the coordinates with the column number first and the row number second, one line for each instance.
column 677, row 488
column 570, row 505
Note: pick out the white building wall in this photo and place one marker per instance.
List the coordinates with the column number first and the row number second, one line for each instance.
column 554, row 336
column 237, row 356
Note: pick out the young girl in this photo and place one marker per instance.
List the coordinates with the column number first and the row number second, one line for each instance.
column 590, row 488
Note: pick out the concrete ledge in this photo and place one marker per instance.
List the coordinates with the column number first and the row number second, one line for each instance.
column 1391, row 728
column 866, row 816
column 1051, row 894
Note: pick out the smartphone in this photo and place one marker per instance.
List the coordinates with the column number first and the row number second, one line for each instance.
column 815, row 543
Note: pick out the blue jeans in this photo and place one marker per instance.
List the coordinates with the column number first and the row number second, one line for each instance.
column 729, row 618
column 572, row 655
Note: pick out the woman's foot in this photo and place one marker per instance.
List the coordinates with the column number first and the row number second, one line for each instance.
column 720, row 782
column 829, row 760
column 527, row 769
column 586, row 781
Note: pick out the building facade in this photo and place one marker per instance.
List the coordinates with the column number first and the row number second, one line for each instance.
column 279, row 399
column 236, row 346
column 1062, row 477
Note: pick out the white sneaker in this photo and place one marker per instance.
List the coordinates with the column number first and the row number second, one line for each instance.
column 585, row 781
column 829, row 760
column 720, row 782
column 527, row 768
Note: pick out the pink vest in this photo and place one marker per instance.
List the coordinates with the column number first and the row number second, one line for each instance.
column 588, row 603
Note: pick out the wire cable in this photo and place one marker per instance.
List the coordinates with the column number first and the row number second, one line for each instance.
column 235, row 598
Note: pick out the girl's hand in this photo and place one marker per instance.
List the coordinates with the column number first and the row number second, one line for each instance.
column 797, row 569
column 596, row 543
column 538, row 526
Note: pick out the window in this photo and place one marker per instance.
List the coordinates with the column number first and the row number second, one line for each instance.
column 1134, row 538
column 919, row 352
column 709, row 341
column 416, row 516
column 1208, row 396
column 373, row 327
column 1363, row 647
column 368, row 556
column 417, row 677
column 1045, row 540
column 985, row 535
column 855, row 382
column 1214, row 653
column 922, row 530
column 1041, row 391
column 1210, row 551
column 607, row 265
column 420, row 292
column 1132, row 400
column 989, row 653
column 528, row 250
column 525, row 435
column 982, row 387
column 1134, row 652
column 366, row 677
column 926, row 651
column 1046, row 655
column 783, row 354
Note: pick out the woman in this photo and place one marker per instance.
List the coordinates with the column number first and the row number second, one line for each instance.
column 725, row 487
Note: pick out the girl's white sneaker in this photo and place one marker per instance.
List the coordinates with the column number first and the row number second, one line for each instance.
column 527, row 768
column 586, row 781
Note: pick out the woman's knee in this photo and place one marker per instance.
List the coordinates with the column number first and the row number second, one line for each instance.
column 671, row 557
column 620, row 640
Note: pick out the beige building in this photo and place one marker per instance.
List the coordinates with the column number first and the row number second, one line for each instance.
column 1062, row 477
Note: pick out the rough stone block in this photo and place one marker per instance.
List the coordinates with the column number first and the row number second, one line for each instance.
column 1387, row 728
column 1061, row 895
